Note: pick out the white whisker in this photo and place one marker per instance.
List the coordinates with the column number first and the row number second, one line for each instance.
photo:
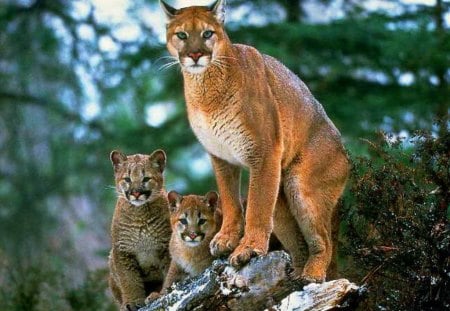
column 166, row 57
column 168, row 65
column 226, row 57
column 222, row 61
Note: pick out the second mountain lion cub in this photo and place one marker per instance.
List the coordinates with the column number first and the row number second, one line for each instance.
column 249, row 110
column 195, row 220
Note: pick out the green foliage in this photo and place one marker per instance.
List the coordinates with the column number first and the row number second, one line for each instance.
column 397, row 224
column 91, row 295
column 41, row 287
column 354, row 67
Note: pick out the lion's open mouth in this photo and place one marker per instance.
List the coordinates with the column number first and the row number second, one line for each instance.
column 138, row 197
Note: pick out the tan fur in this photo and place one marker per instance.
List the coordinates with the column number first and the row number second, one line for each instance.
column 190, row 254
column 140, row 229
column 248, row 110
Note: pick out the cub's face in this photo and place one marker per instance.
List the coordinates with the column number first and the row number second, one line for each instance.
column 139, row 177
column 194, row 36
column 194, row 219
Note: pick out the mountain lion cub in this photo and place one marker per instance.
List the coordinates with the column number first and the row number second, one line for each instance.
column 248, row 110
column 140, row 229
column 195, row 220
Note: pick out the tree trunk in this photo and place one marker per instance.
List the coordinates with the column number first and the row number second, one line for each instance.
column 293, row 10
column 443, row 86
column 260, row 285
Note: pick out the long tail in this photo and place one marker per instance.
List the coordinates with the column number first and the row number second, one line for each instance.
column 332, row 272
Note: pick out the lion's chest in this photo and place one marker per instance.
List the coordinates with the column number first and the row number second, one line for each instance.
column 148, row 251
column 217, row 137
column 147, row 241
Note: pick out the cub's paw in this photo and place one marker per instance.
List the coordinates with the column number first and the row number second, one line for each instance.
column 151, row 297
column 245, row 251
column 132, row 306
column 223, row 243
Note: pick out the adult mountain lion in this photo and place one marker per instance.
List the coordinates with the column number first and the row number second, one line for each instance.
column 249, row 110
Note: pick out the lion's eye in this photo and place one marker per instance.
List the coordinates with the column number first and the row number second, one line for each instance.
column 127, row 179
column 208, row 34
column 183, row 221
column 182, row 35
column 201, row 221
column 146, row 179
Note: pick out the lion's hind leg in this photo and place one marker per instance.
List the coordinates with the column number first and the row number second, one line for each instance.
column 287, row 231
column 313, row 187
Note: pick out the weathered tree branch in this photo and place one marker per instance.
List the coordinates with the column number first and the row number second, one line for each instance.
column 263, row 283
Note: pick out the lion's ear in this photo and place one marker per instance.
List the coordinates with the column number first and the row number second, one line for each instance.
column 218, row 9
column 158, row 159
column 168, row 10
column 212, row 199
column 117, row 158
column 174, row 200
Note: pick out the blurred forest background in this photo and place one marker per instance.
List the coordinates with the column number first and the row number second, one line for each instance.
column 81, row 78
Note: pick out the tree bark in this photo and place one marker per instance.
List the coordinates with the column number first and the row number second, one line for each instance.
column 260, row 285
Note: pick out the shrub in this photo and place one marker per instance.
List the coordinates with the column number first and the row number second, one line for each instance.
column 396, row 222
column 43, row 286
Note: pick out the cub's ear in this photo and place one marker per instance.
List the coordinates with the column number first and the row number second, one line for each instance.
column 158, row 159
column 168, row 10
column 218, row 9
column 212, row 199
column 117, row 158
column 174, row 200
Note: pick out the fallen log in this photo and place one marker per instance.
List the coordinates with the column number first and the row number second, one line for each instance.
column 264, row 283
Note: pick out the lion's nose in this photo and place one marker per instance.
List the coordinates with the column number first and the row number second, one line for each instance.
column 136, row 194
column 195, row 56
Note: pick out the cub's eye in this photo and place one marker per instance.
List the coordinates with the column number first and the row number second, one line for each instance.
column 183, row 221
column 207, row 34
column 201, row 221
column 146, row 179
column 127, row 179
column 182, row 35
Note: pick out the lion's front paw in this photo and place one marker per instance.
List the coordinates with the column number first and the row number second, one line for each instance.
column 307, row 278
column 246, row 250
column 313, row 273
column 297, row 274
column 224, row 243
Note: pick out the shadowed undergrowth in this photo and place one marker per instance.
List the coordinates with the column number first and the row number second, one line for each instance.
column 396, row 222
